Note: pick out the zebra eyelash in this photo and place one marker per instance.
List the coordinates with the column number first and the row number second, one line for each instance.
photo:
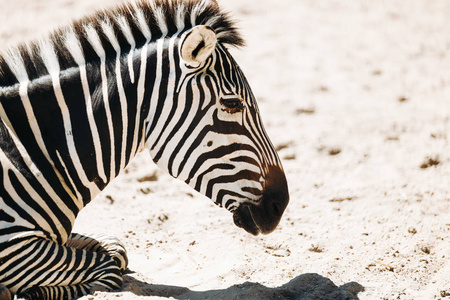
column 232, row 105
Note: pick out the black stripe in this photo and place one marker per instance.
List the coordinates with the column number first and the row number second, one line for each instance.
column 51, row 249
column 165, row 70
column 209, row 170
column 7, row 78
column 247, row 174
column 88, row 161
column 116, row 111
column 216, row 153
column 222, row 193
column 32, row 255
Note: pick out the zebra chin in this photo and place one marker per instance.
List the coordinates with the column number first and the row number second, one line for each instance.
column 264, row 216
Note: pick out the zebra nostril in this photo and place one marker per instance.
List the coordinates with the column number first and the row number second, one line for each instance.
column 276, row 209
column 276, row 195
column 274, row 203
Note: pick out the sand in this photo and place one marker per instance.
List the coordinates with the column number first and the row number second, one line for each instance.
column 356, row 97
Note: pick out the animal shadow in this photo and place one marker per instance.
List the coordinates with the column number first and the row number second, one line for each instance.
column 303, row 287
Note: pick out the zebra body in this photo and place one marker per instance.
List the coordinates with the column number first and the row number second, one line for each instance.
column 76, row 107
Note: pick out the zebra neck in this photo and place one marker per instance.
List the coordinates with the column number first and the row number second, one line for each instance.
column 124, row 88
column 81, row 126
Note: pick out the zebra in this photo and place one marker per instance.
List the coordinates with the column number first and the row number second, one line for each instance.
column 77, row 105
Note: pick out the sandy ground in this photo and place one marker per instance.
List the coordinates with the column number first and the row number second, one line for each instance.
column 356, row 97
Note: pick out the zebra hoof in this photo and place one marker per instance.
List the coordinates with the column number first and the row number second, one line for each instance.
column 5, row 293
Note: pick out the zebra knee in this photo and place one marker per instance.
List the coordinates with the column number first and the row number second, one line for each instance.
column 114, row 248
column 71, row 274
column 102, row 244
column 53, row 292
column 47, row 293
column 109, row 277
column 106, row 277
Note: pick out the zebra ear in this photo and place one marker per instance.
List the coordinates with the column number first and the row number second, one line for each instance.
column 198, row 44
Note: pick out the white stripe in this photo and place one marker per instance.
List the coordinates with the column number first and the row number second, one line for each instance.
column 19, row 69
column 33, row 266
column 246, row 196
column 4, row 224
column 78, row 199
column 5, row 119
column 50, row 266
column 140, row 96
column 74, row 47
column 46, row 185
column 199, row 8
column 217, row 173
column 43, row 223
column 16, row 65
column 180, row 17
column 22, row 263
column 125, row 27
column 161, row 20
column 159, row 51
column 94, row 40
column 167, row 108
column 180, row 156
column 155, row 94
column 142, row 23
column 122, row 96
column 51, row 63
column 25, row 236
column 212, row 21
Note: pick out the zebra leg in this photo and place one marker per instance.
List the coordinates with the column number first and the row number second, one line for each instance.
column 103, row 244
column 53, row 271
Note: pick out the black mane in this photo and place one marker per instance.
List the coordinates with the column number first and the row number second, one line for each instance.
column 207, row 12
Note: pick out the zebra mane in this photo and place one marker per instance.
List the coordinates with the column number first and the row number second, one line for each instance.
column 145, row 19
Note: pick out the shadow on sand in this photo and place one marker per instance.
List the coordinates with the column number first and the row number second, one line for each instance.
column 306, row 286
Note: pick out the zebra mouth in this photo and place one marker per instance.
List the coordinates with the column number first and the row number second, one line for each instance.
column 255, row 219
column 243, row 218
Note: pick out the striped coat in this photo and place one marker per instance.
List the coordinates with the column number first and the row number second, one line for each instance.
column 77, row 106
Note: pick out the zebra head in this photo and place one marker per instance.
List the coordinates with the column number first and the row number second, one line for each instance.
column 216, row 137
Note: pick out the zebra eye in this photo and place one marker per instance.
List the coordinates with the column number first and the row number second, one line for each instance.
column 232, row 105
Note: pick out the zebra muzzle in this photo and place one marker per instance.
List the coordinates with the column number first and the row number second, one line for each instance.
column 256, row 219
column 264, row 216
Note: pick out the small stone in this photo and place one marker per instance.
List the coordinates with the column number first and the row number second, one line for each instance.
column 425, row 250
column 412, row 230
column 445, row 293
column 334, row 151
